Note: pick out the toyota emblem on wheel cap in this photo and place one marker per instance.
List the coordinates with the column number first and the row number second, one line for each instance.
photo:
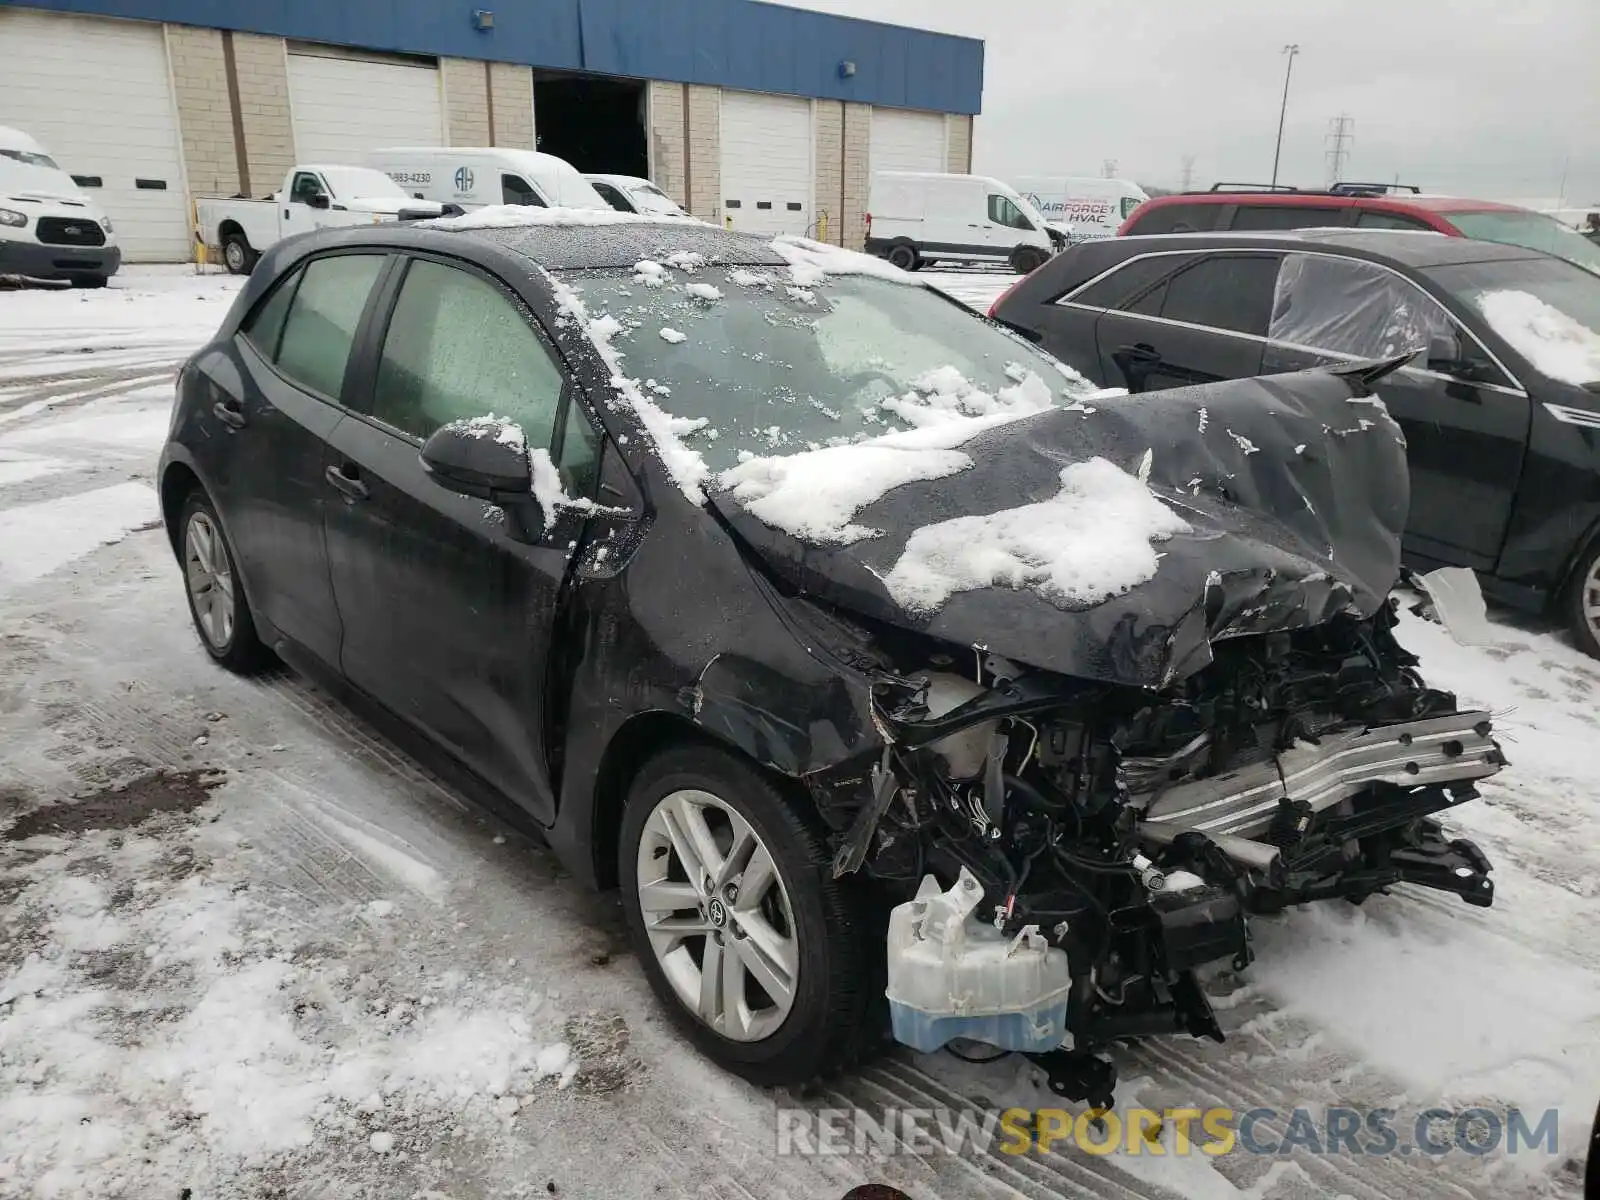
column 717, row 913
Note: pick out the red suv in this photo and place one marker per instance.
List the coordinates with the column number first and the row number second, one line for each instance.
column 1233, row 207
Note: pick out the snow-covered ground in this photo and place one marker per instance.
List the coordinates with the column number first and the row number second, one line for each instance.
column 283, row 959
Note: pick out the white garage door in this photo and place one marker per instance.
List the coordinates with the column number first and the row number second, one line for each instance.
column 344, row 106
column 766, row 162
column 97, row 93
column 903, row 140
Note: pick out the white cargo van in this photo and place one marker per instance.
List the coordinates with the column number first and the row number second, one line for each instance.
column 49, row 228
column 1083, row 208
column 916, row 218
column 475, row 177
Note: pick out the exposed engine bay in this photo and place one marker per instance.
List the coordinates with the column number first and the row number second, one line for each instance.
column 1101, row 843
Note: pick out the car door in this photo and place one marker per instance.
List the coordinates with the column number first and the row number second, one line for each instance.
column 448, row 617
column 1465, row 425
column 1203, row 322
column 276, row 412
column 298, row 211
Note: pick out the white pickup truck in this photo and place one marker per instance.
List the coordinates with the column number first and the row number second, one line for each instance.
column 312, row 197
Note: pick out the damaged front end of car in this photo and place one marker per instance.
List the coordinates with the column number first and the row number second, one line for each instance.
column 1087, row 802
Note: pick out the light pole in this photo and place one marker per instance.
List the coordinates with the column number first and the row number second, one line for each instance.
column 1277, row 150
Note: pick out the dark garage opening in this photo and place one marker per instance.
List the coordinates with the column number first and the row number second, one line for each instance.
column 595, row 123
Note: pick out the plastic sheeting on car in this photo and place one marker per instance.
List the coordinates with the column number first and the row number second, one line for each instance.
column 1345, row 306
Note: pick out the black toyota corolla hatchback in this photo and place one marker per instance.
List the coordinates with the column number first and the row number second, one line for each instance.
column 772, row 584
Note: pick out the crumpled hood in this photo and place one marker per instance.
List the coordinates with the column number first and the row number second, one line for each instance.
column 1294, row 488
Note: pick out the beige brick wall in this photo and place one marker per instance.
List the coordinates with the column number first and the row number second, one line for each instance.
column 958, row 144
column 666, row 138
column 205, row 113
column 828, row 129
column 263, row 73
column 705, row 152
column 857, row 172
column 466, row 102
column 513, row 105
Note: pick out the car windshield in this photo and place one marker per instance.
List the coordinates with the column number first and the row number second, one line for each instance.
column 350, row 183
column 761, row 367
column 1547, row 309
column 29, row 159
column 650, row 199
column 1533, row 230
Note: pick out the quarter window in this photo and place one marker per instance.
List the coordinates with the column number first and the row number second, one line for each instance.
column 264, row 327
column 1003, row 212
column 1224, row 291
column 322, row 318
column 1350, row 307
column 456, row 348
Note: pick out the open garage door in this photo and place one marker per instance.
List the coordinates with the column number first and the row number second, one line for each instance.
column 97, row 93
column 766, row 162
column 903, row 140
column 346, row 103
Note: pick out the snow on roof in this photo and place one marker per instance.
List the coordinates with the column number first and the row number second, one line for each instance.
column 1556, row 344
column 1091, row 541
column 810, row 262
column 519, row 216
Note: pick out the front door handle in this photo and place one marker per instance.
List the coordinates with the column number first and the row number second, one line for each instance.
column 1143, row 354
column 349, row 484
column 229, row 413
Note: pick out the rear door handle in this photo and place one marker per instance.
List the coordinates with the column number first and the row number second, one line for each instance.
column 349, row 485
column 229, row 413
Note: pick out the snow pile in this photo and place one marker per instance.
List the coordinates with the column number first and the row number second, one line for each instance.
column 547, row 489
column 945, row 392
column 703, row 291
column 1556, row 344
column 501, row 429
column 517, row 216
column 686, row 467
column 674, row 336
column 750, row 278
column 650, row 273
column 811, row 262
column 685, row 260
column 1090, row 542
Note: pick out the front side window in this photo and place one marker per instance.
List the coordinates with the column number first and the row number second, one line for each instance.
column 1129, row 203
column 1177, row 218
column 322, row 317
column 1224, row 291
column 514, row 189
column 611, row 196
column 306, row 185
column 29, row 159
column 1002, row 211
column 457, row 348
column 1346, row 306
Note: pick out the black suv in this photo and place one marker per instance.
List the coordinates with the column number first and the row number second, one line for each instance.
column 1500, row 407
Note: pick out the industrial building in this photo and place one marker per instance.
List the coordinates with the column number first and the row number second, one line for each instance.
column 771, row 118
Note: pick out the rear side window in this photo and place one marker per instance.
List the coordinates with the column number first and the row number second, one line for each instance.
column 457, row 348
column 1225, row 291
column 516, row 190
column 1288, row 216
column 1178, row 218
column 1369, row 218
column 1128, row 282
column 322, row 319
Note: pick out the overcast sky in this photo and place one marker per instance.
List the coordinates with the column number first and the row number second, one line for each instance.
column 1480, row 97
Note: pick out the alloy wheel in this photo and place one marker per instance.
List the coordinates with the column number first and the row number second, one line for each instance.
column 205, row 569
column 718, row 915
column 1590, row 599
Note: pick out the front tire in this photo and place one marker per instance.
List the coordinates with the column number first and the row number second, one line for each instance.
column 762, row 959
column 88, row 281
column 237, row 255
column 1025, row 260
column 217, row 602
column 1583, row 601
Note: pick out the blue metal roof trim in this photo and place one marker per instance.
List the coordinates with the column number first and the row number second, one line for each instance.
column 727, row 43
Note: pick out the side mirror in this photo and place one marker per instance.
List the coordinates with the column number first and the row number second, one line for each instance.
column 1446, row 355
column 472, row 460
column 318, row 200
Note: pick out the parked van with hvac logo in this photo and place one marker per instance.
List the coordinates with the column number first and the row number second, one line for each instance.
column 478, row 177
column 1082, row 208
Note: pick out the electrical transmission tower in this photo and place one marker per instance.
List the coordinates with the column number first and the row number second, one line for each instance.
column 1186, row 178
column 1341, row 137
column 1108, row 168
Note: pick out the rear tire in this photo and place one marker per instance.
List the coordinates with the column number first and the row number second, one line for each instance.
column 237, row 255
column 1583, row 601
column 217, row 602
column 826, row 992
column 904, row 256
column 88, row 281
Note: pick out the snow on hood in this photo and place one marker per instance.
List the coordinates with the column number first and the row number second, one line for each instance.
column 1556, row 344
column 1113, row 545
